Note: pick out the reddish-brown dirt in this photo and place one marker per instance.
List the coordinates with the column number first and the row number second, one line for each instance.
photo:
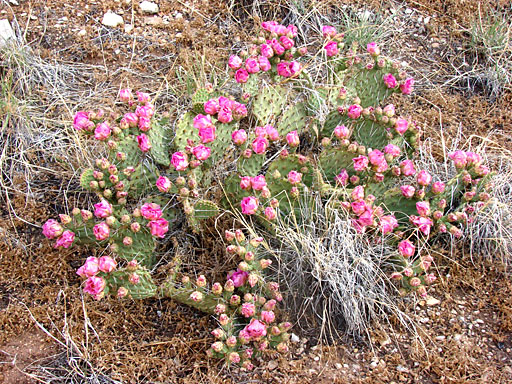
column 465, row 338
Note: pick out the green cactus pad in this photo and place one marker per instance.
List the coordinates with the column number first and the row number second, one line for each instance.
column 185, row 130
column 219, row 147
column 142, row 248
column 142, row 180
column 85, row 179
column 284, row 166
column 204, row 209
column 200, row 97
column 292, row 119
column 269, row 103
column 159, row 137
column 251, row 86
column 251, row 166
column 333, row 160
column 144, row 289
column 128, row 145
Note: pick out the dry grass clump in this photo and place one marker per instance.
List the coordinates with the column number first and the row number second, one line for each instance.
column 334, row 278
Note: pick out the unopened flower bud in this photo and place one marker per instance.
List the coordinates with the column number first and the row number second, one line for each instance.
column 239, row 235
column 249, row 256
column 282, row 348
column 229, row 286
column 217, row 289
column 134, row 278
column 234, row 300
column 65, row 219
column 243, row 266
column 122, row 292
column 201, row 281
column 219, row 310
column 230, row 236
column 415, row 282
column 196, row 296
column 111, row 220
column 326, row 142
column 218, row 333
column 275, row 331
column 437, row 215
column 218, row 346
column 127, row 240
column 86, row 215
column 265, row 263
column 135, row 227
column 248, row 298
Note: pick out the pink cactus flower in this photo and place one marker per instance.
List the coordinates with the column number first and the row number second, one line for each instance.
column 354, row 111
column 423, row 178
column 423, row 223
column 225, row 115
column 295, row 67
column 390, row 81
column 245, row 183
column 239, row 137
column 144, row 124
column 286, row 42
column 65, row 240
column 389, row 110
column 407, row 191
column 423, row 208
column 143, row 142
column 143, row 97
column 376, row 157
column 94, row 286
column 260, row 145
column 388, row 224
column 358, row 193
column 459, row 158
column 373, row 49
column 342, row 178
column 248, row 309
column 102, row 131
column 438, row 187
column 329, row 31
column 241, row 76
column 283, row 69
column 239, row 111
column 207, row 134
column 52, row 229
column 202, row 121
column 270, row 213
column 407, row 86
column 407, row 168
column 90, row 267
column 277, row 47
column 106, row 264
column 103, row 209
column 266, row 51
column 473, row 158
column 249, row 205
column 252, row 65
column 101, row 231
column 271, row 132
column 125, row 95
column 258, row 182
column 81, row 121
column 294, row 177
column 341, row 132
column 179, row 161
column 256, row 329
column 392, row 150
column 358, row 207
column 163, row 184
column 360, row 163
column 147, row 111
column 158, row 227
column 235, row 62
column 366, row 218
column 401, row 126
column 211, row 107
column 238, row 277
column 264, row 64
column 201, row 152
column 292, row 138
column 331, row 48
column 406, row 248
column 151, row 211
column 268, row 316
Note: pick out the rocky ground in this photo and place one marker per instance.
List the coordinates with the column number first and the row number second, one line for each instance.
column 461, row 334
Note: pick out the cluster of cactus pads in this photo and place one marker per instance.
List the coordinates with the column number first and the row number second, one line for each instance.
column 287, row 135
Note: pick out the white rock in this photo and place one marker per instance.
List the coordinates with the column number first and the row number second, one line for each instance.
column 128, row 28
column 6, row 32
column 148, row 7
column 426, row 20
column 294, row 338
column 401, row 368
column 14, row 2
column 82, row 32
column 431, row 301
column 111, row 19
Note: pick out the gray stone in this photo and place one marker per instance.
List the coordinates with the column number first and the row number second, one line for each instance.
column 148, row 7
column 111, row 19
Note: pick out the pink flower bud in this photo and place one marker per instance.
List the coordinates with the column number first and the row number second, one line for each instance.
column 342, row 178
column 401, row 126
column 423, row 178
column 415, row 282
column 407, row 168
column 196, row 296
column 102, row 131
column 331, row 48
column 241, row 76
column 143, row 142
column 270, row 213
column 329, row 31
column 406, row 248
column 341, row 132
column 388, row 224
column 144, row 124
column 438, row 187
column 390, row 81
column 360, row 163
column 248, row 309
column 52, row 229
column 423, row 208
column 94, row 286
column 235, row 62
column 373, row 49
column 268, row 316
column 407, row 86
column 101, row 231
column 143, row 97
column 260, row 145
column 201, row 281
column 158, row 227
column 354, row 111
column 294, row 177
column 292, row 138
column 218, row 346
